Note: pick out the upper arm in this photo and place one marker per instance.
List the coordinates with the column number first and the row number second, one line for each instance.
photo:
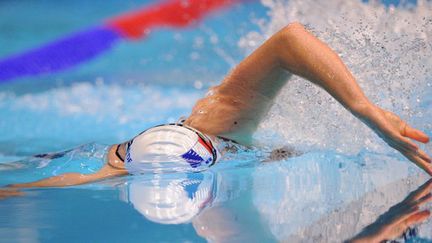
column 234, row 108
column 263, row 71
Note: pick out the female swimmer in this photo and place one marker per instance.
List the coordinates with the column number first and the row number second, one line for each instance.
column 233, row 109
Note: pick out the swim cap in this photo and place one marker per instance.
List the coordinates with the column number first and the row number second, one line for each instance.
column 167, row 148
column 172, row 198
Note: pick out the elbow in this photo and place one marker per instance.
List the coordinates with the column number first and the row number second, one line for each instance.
column 288, row 39
column 293, row 26
column 292, row 30
column 290, row 34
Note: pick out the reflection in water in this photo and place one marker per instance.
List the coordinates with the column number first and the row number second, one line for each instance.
column 216, row 203
column 397, row 220
column 328, row 197
column 317, row 197
column 171, row 198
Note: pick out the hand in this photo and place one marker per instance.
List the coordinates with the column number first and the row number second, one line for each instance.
column 9, row 192
column 397, row 133
column 398, row 218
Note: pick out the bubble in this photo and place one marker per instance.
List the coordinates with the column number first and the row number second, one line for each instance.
column 194, row 56
column 99, row 81
column 214, row 39
column 198, row 42
column 198, row 84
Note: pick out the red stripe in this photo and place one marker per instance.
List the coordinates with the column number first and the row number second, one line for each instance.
column 201, row 141
column 173, row 13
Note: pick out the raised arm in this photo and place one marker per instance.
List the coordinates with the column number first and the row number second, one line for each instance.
column 263, row 73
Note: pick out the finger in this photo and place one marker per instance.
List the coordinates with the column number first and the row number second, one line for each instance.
column 403, row 215
column 413, row 219
column 422, row 154
column 422, row 191
column 400, row 147
column 415, row 134
column 403, row 149
column 419, row 162
column 406, row 143
column 417, row 218
column 397, row 146
column 427, row 198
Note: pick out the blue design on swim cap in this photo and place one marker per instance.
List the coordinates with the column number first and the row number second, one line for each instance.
column 192, row 183
column 128, row 157
column 193, row 158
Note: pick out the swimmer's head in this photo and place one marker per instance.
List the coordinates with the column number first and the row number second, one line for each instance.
column 171, row 147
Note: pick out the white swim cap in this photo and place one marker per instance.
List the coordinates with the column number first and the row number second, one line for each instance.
column 172, row 198
column 169, row 148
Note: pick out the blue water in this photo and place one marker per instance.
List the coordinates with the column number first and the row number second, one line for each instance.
column 344, row 180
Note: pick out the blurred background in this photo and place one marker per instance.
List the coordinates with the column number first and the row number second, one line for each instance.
column 346, row 178
column 92, row 101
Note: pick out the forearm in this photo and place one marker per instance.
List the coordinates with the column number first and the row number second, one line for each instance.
column 68, row 179
column 303, row 54
column 72, row 179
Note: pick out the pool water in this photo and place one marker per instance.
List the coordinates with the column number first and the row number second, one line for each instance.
column 344, row 179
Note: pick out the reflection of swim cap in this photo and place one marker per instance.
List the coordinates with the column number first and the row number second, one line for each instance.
column 172, row 147
column 172, row 198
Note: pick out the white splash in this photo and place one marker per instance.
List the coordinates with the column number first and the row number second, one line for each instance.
column 105, row 100
column 387, row 49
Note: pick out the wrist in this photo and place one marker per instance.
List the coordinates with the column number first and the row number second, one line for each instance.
column 363, row 110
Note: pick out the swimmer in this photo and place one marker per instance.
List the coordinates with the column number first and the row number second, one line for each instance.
column 232, row 111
